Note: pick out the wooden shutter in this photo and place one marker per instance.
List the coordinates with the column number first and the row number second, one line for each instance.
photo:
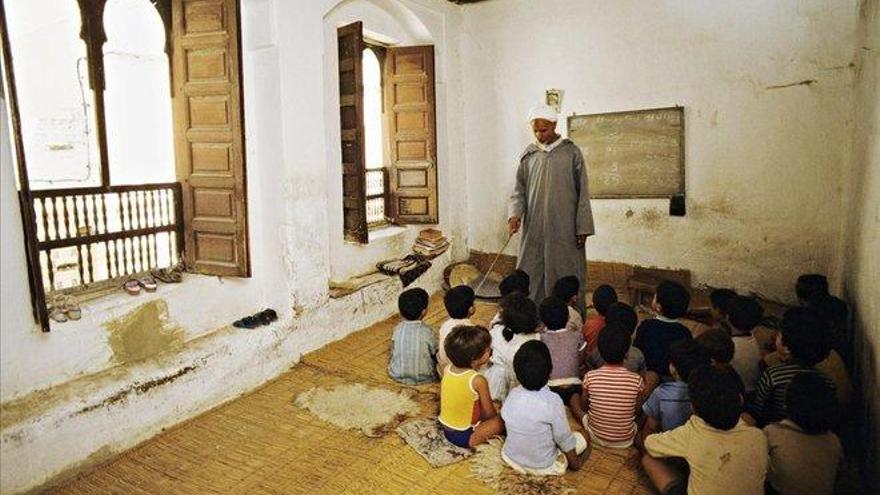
column 209, row 135
column 351, row 119
column 410, row 109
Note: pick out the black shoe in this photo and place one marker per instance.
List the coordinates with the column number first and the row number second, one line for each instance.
column 266, row 316
column 249, row 322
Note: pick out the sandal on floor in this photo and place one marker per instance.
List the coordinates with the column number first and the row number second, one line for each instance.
column 249, row 322
column 148, row 283
column 132, row 286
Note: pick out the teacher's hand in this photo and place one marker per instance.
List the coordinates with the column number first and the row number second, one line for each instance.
column 580, row 240
column 513, row 224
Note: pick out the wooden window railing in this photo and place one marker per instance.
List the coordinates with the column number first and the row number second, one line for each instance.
column 86, row 236
column 376, row 196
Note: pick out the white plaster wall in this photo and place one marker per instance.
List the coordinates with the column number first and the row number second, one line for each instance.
column 763, row 165
column 862, row 283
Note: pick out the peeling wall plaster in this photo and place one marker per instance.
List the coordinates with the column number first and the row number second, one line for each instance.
column 766, row 86
column 143, row 332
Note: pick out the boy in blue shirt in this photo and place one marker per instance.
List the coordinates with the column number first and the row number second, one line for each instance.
column 413, row 348
column 669, row 405
column 539, row 439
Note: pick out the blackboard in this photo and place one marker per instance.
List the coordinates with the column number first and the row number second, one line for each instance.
column 635, row 154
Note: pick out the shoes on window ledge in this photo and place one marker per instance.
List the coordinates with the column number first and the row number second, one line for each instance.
column 63, row 308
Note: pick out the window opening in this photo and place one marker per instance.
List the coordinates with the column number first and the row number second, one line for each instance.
column 374, row 138
column 140, row 137
column 55, row 99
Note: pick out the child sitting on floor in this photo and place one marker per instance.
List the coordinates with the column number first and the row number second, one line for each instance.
column 812, row 292
column 720, row 298
column 744, row 314
column 801, row 344
column 622, row 317
column 518, row 324
column 412, row 344
column 518, row 281
column 725, row 456
column 467, row 414
column 719, row 346
column 654, row 336
column 459, row 302
column 567, row 289
column 539, row 439
column 612, row 393
column 805, row 456
column 832, row 366
column 603, row 297
column 566, row 348
column 669, row 406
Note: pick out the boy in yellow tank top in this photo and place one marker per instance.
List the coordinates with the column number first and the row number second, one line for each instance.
column 467, row 414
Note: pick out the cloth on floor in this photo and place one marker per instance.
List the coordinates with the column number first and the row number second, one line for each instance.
column 408, row 268
column 425, row 436
column 373, row 411
column 490, row 468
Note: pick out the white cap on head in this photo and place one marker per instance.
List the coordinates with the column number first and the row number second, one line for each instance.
column 543, row 112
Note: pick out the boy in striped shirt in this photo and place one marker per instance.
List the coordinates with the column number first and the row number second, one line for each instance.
column 803, row 342
column 612, row 392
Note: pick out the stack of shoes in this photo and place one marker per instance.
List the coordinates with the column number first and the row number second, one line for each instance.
column 63, row 307
column 431, row 243
column 264, row 317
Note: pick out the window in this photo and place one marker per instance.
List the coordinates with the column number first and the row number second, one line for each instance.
column 373, row 137
column 403, row 189
column 127, row 122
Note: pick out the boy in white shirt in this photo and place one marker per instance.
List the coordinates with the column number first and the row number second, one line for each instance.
column 743, row 315
column 459, row 302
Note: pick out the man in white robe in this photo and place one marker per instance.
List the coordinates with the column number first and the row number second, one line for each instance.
column 551, row 205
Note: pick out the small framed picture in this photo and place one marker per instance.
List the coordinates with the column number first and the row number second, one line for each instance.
column 553, row 98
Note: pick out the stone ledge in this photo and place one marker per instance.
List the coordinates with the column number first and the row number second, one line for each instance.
column 350, row 286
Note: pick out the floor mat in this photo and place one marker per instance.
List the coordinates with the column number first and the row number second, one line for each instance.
column 488, row 467
column 373, row 411
column 424, row 435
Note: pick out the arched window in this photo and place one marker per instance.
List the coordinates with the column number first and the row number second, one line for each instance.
column 386, row 102
column 373, row 138
column 55, row 97
column 118, row 175
column 138, row 95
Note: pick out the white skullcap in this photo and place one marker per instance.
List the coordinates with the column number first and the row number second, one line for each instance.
column 543, row 112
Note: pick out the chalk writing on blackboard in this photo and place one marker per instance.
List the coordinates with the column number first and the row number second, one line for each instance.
column 636, row 154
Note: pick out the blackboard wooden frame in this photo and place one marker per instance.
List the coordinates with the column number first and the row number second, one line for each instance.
column 681, row 160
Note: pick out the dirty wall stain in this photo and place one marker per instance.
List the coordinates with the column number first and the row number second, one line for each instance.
column 144, row 332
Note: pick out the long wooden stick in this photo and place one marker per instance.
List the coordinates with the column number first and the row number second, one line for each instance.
column 486, row 275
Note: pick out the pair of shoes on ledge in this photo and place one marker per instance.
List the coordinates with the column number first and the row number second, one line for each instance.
column 264, row 317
